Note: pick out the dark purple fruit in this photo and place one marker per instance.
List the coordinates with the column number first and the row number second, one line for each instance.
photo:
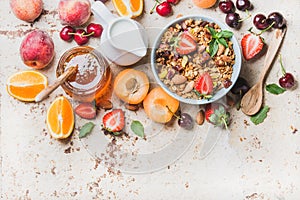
column 243, row 5
column 287, row 81
column 67, row 33
column 261, row 22
column 186, row 121
column 227, row 6
column 233, row 20
column 277, row 19
column 240, row 87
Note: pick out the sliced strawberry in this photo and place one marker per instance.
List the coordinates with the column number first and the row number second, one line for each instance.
column 186, row 44
column 86, row 110
column 204, row 85
column 252, row 45
column 216, row 114
column 114, row 121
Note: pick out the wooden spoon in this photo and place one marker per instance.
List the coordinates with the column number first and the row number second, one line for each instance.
column 60, row 80
column 253, row 99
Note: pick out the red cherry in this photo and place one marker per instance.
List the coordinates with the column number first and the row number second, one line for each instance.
column 174, row 2
column 164, row 9
column 81, row 37
column 287, row 81
column 96, row 29
column 67, row 33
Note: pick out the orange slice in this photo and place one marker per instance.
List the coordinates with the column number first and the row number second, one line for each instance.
column 129, row 8
column 60, row 118
column 25, row 85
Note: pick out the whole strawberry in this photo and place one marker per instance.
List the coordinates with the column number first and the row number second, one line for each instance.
column 216, row 114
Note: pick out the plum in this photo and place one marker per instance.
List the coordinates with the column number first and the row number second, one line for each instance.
column 27, row 10
column 74, row 12
column 37, row 49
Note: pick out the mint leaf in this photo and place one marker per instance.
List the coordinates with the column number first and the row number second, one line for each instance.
column 138, row 128
column 212, row 31
column 275, row 89
column 223, row 42
column 260, row 116
column 213, row 48
column 226, row 34
column 86, row 129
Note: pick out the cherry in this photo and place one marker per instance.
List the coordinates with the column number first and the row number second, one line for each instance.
column 67, row 33
column 233, row 20
column 164, row 9
column 261, row 22
column 227, row 6
column 287, row 80
column 174, row 2
column 186, row 121
column 244, row 5
column 81, row 37
column 278, row 20
column 94, row 29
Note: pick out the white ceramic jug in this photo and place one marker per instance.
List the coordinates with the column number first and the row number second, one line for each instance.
column 124, row 41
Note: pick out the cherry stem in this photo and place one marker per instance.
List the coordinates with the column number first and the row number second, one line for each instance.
column 281, row 65
column 82, row 34
column 156, row 2
column 248, row 16
column 178, row 117
column 266, row 29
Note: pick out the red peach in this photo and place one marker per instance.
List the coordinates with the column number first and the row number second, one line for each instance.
column 27, row 10
column 37, row 49
column 74, row 12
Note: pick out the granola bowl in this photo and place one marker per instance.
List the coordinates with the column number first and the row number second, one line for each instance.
column 196, row 59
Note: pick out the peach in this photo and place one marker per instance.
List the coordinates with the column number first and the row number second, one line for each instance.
column 74, row 12
column 37, row 49
column 131, row 86
column 160, row 106
column 27, row 10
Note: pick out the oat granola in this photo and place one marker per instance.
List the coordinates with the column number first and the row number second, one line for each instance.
column 180, row 72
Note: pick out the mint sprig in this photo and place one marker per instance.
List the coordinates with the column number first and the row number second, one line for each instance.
column 86, row 129
column 275, row 89
column 218, row 38
column 138, row 128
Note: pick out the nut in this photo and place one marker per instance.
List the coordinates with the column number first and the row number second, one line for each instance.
column 179, row 79
column 132, row 107
column 200, row 117
column 105, row 104
column 221, row 49
column 189, row 87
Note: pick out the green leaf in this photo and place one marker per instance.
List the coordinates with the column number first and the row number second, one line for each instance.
column 226, row 34
column 213, row 48
column 275, row 89
column 223, row 42
column 138, row 128
column 86, row 129
column 212, row 31
column 260, row 116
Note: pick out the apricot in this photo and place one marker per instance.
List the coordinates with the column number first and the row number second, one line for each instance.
column 74, row 12
column 160, row 106
column 131, row 86
column 27, row 10
column 204, row 3
column 37, row 49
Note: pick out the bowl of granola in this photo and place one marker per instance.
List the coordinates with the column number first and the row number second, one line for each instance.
column 195, row 59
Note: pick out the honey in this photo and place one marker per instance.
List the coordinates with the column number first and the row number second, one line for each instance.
column 93, row 78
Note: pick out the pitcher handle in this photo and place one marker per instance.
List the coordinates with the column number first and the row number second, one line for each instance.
column 102, row 13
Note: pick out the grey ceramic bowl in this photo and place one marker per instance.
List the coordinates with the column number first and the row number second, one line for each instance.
column 236, row 67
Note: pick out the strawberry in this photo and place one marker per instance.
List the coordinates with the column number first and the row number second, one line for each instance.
column 114, row 121
column 204, row 84
column 185, row 44
column 86, row 110
column 252, row 44
column 216, row 114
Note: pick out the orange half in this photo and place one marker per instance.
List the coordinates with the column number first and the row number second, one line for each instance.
column 25, row 85
column 129, row 8
column 60, row 118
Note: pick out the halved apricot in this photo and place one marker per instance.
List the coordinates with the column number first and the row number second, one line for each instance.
column 159, row 106
column 131, row 86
